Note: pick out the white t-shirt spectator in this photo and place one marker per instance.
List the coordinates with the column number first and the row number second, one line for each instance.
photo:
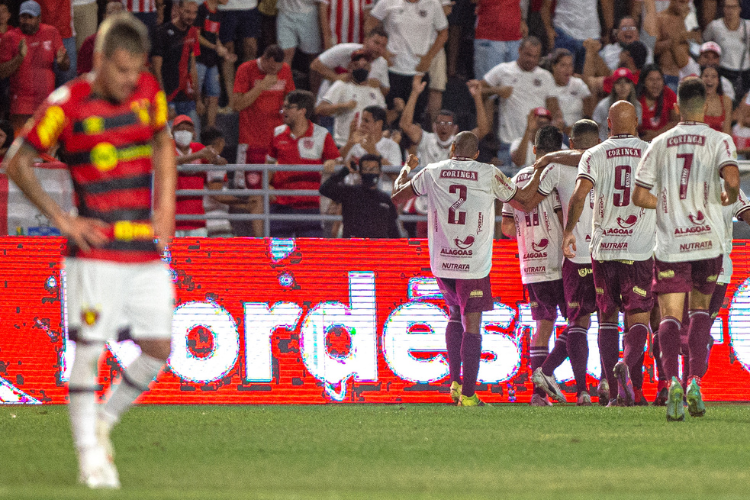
column 530, row 90
column 577, row 18
column 429, row 149
column 733, row 43
column 339, row 56
column 411, row 29
column 692, row 68
column 610, row 54
column 389, row 150
column 570, row 98
column 342, row 92
column 239, row 5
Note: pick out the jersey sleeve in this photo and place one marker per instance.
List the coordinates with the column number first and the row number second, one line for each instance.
column 47, row 126
column 380, row 11
column 586, row 168
column 503, row 188
column 645, row 174
column 549, row 179
column 556, row 203
column 419, row 183
column 494, row 77
column 333, row 94
column 439, row 21
column 330, row 151
column 741, row 205
column 726, row 153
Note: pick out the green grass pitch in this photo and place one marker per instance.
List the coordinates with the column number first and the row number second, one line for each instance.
column 388, row 451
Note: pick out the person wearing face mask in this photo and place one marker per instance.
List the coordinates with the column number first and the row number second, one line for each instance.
column 368, row 212
column 346, row 100
column 189, row 152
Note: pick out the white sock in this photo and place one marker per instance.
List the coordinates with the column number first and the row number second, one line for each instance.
column 135, row 380
column 82, row 393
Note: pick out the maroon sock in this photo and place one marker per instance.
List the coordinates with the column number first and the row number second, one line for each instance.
column 471, row 351
column 454, row 335
column 656, row 351
column 699, row 337
column 669, row 342
column 558, row 355
column 578, row 352
column 634, row 342
column 636, row 373
column 609, row 349
column 537, row 355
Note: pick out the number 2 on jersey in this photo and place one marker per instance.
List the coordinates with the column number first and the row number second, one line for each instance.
column 685, row 175
column 453, row 216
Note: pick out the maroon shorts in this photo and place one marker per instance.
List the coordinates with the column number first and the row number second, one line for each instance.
column 578, row 280
column 717, row 299
column 544, row 299
column 683, row 277
column 470, row 295
column 623, row 285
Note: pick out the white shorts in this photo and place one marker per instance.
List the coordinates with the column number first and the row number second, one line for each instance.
column 299, row 30
column 102, row 297
column 438, row 72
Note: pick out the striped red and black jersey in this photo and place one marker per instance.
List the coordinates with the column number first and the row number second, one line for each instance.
column 107, row 147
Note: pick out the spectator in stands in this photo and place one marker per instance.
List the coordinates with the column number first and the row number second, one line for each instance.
column 501, row 24
column 331, row 65
column 672, row 50
column 208, row 22
column 259, row 91
column 6, row 137
column 572, row 93
column 574, row 21
column 346, row 100
column 59, row 13
column 627, row 33
column 597, row 75
column 85, row 20
column 522, row 149
column 732, row 34
column 28, row 55
column 741, row 136
column 623, row 89
column 299, row 142
column 710, row 55
column 86, row 51
column 240, row 24
column 417, row 31
column 345, row 21
column 299, row 24
column 213, row 138
column 657, row 103
column 718, row 113
column 522, row 86
column 173, row 55
column 4, row 17
column 189, row 152
column 368, row 212
column 149, row 12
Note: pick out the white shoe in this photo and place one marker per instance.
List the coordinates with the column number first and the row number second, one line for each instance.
column 548, row 385
column 96, row 470
column 537, row 400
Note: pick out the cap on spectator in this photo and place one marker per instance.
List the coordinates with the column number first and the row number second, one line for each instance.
column 711, row 47
column 31, row 8
column 542, row 111
column 619, row 73
column 182, row 119
column 360, row 54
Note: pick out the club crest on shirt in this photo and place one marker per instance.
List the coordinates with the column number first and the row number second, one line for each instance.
column 422, row 13
column 47, row 45
column 308, row 143
column 89, row 316
column 537, row 82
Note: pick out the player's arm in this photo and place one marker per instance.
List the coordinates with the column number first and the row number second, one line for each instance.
column 643, row 198
column 528, row 197
column 508, row 227
column 165, row 184
column 483, row 122
column 731, row 175
column 570, row 157
column 575, row 208
column 326, row 72
column 413, row 130
column 83, row 231
column 402, row 189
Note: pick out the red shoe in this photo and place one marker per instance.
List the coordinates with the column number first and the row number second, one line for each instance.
column 640, row 400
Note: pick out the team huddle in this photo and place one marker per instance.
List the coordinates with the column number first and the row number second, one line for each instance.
column 619, row 226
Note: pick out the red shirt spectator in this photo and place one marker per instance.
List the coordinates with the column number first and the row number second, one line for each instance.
column 190, row 180
column 58, row 13
column 498, row 20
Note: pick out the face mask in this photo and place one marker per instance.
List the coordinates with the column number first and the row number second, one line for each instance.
column 370, row 180
column 359, row 75
column 446, row 143
column 183, row 138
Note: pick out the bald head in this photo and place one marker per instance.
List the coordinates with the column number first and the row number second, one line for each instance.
column 622, row 119
column 465, row 144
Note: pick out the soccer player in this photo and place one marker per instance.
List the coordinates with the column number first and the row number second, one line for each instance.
column 537, row 233
column 461, row 195
column 622, row 246
column 684, row 167
column 576, row 273
column 112, row 133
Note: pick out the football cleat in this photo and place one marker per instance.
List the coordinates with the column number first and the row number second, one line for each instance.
column 96, row 470
column 583, row 399
column 662, row 393
column 602, row 390
column 472, row 400
column 548, row 385
column 455, row 392
column 537, row 400
column 696, row 407
column 675, row 410
column 624, row 385
column 613, row 403
column 640, row 399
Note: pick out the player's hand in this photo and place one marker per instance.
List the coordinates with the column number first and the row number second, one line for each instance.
column 23, row 49
column 541, row 163
column 725, row 199
column 412, row 162
column 84, row 232
column 424, row 64
column 60, row 56
column 417, row 85
column 505, row 91
column 475, row 88
column 398, row 104
column 568, row 241
column 592, row 45
column 531, row 120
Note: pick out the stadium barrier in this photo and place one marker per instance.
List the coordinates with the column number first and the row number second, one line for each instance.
column 312, row 321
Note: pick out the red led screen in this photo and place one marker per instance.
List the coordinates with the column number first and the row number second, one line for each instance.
column 312, row 321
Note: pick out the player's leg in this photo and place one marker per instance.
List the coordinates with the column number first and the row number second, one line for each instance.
column 543, row 299
column 454, row 334
column 578, row 352
column 661, row 390
column 474, row 296
column 608, row 302
column 580, row 294
column 538, row 352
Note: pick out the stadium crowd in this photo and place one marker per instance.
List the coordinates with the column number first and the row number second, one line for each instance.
column 387, row 78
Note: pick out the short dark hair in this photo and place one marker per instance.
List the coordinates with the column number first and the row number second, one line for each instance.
column 548, row 139
column 377, row 30
column 584, row 127
column 122, row 31
column 558, row 54
column 446, row 112
column 719, row 87
column 638, row 52
column 274, row 52
column 530, row 40
column 378, row 113
column 369, row 157
column 304, row 99
column 467, row 144
column 210, row 134
column 691, row 94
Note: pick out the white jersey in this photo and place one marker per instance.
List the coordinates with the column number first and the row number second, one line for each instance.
column 729, row 212
column 682, row 167
column 343, row 92
column 621, row 230
column 562, row 178
column 461, row 214
column 429, row 149
column 538, row 235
